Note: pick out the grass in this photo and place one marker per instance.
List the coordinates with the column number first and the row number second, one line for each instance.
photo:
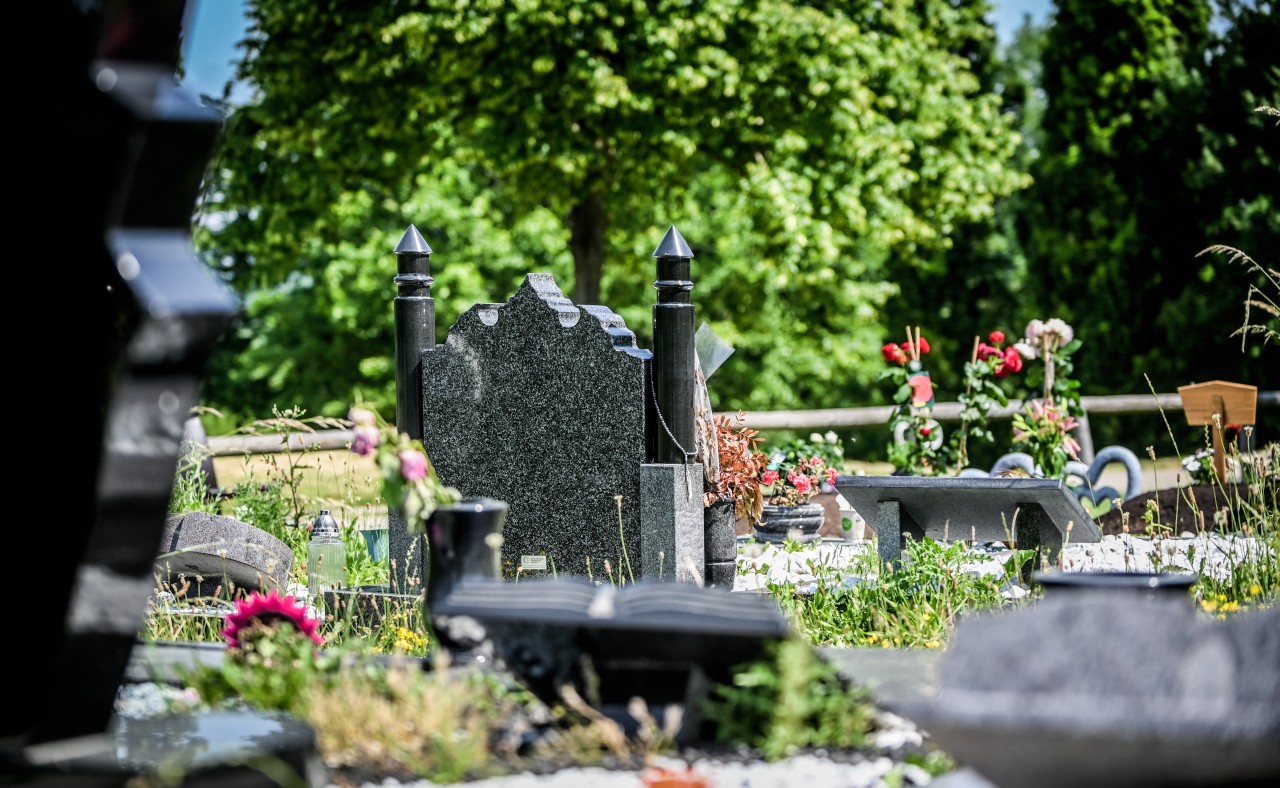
column 392, row 718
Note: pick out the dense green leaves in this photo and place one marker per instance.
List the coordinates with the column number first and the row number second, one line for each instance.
column 1151, row 153
column 799, row 147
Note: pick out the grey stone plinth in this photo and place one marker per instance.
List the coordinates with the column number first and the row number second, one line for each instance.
column 672, row 523
column 541, row 403
column 220, row 555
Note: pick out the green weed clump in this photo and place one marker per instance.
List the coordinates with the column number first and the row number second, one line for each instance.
column 913, row 606
column 789, row 700
column 1254, row 512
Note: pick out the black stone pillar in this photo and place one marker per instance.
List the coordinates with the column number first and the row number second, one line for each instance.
column 673, row 356
column 415, row 316
column 415, row 312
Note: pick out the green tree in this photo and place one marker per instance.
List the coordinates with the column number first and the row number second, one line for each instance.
column 1147, row 150
column 799, row 147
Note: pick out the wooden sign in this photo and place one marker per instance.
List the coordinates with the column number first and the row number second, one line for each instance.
column 1232, row 403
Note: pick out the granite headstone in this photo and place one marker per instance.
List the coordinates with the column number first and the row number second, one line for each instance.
column 215, row 555
column 541, row 403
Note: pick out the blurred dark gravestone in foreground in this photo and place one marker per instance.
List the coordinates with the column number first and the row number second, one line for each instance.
column 121, row 151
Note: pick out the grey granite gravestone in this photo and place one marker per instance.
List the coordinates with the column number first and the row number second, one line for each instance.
column 1110, row 684
column 542, row 404
column 214, row 555
column 1034, row 513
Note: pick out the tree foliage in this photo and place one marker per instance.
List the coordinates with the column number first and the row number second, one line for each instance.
column 802, row 148
column 1151, row 152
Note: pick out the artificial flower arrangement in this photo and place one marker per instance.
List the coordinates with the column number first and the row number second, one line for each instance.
column 409, row 481
column 797, row 471
column 1043, row 429
column 919, row 446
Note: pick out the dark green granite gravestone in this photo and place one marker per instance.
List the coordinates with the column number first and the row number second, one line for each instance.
column 541, row 403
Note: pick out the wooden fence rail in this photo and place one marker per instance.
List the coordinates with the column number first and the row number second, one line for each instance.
column 820, row 420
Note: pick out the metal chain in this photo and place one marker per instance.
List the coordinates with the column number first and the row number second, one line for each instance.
column 688, row 468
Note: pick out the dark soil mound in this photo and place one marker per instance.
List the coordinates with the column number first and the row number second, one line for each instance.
column 1191, row 508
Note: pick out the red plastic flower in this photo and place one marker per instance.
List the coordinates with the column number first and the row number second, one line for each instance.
column 1011, row 363
column 924, row 346
column 270, row 609
column 986, row 351
column 925, row 431
column 893, row 354
column 831, row 477
column 996, row 337
column 768, row 477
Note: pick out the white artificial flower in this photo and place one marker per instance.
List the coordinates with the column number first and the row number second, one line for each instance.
column 832, row 437
column 1059, row 328
column 1033, row 331
column 815, row 438
column 1025, row 350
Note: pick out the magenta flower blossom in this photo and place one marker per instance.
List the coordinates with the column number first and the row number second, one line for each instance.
column 413, row 465
column 365, row 439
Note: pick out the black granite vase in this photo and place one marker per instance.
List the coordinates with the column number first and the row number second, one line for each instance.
column 464, row 541
column 777, row 522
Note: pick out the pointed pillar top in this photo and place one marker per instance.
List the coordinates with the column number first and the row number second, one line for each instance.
column 673, row 245
column 412, row 242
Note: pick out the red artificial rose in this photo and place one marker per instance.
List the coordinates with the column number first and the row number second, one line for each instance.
column 1011, row 363
column 893, row 354
column 768, row 478
column 996, row 337
column 924, row 346
column 985, row 351
column 924, row 431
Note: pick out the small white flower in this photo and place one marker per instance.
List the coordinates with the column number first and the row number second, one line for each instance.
column 1025, row 350
column 1058, row 327
column 1033, row 331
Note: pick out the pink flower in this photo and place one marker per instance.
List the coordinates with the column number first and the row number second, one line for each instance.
column 831, row 477
column 802, row 483
column 985, row 351
column 816, row 463
column 768, row 477
column 1011, row 363
column 270, row 609
column 996, row 337
column 365, row 439
column 413, row 465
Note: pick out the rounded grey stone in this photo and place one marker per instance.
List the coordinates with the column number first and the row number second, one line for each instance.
column 220, row 555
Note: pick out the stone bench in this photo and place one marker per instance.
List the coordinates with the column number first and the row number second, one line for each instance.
column 1038, row 514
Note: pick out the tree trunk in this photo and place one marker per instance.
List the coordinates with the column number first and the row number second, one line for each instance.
column 587, row 223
